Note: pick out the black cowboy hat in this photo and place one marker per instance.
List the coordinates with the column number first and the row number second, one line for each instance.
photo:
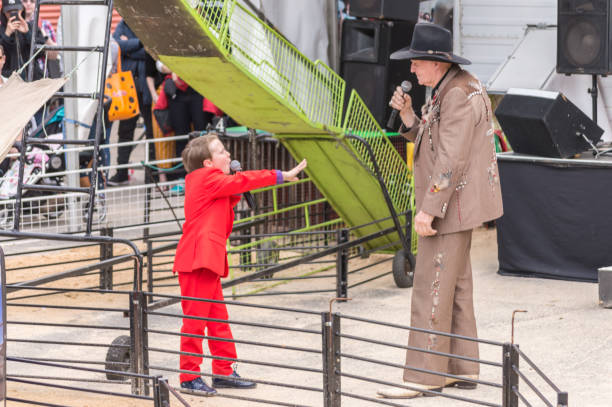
column 430, row 42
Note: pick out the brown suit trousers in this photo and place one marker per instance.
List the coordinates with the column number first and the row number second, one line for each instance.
column 442, row 301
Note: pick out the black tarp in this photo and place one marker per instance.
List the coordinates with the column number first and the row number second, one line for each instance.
column 557, row 219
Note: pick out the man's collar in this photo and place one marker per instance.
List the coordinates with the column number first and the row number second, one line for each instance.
column 452, row 71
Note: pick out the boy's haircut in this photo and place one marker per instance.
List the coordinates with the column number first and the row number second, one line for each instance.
column 197, row 151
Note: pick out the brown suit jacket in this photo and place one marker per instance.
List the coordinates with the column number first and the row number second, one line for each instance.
column 455, row 166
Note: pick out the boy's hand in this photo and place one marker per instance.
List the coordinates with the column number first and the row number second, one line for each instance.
column 291, row 175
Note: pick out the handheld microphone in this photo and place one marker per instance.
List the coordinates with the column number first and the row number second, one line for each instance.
column 235, row 167
column 406, row 87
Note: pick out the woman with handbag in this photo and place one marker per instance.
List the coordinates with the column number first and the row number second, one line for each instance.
column 180, row 109
column 133, row 58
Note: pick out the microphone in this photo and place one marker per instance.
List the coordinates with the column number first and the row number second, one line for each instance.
column 235, row 167
column 406, row 87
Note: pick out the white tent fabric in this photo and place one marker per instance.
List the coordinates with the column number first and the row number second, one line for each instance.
column 82, row 26
column 310, row 25
column 19, row 101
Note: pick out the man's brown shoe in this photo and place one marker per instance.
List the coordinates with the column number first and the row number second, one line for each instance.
column 462, row 384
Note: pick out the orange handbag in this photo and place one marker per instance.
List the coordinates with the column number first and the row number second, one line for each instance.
column 120, row 88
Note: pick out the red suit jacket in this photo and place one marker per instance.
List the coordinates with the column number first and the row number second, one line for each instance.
column 210, row 197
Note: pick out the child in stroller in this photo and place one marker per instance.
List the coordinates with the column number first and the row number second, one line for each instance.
column 45, row 164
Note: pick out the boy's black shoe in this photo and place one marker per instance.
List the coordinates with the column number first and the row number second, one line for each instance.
column 198, row 387
column 120, row 178
column 232, row 381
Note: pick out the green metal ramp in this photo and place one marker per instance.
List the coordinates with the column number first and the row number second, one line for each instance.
column 248, row 70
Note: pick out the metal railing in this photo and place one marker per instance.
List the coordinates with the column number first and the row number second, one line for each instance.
column 534, row 395
column 329, row 373
column 360, row 124
column 312, row 90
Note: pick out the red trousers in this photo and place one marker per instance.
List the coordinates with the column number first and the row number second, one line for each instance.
column 204, row 283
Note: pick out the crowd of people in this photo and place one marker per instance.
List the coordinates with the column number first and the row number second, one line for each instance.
column 157, row 87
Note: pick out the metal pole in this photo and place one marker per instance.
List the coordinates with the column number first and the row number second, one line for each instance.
column 594, row 91
column 161, row 395
column 147, row 204
column 510, row 380
column 3, row 329
column 331, row 359
column 138, row 341
column 342, row 258
column 106, row 252
column 150, row 268
column 562, row 399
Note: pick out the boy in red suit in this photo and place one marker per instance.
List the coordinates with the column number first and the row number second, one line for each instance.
column 201, row 257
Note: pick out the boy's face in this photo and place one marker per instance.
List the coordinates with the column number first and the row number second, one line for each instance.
column 220, row 157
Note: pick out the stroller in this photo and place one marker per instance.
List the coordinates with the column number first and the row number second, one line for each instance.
column 42, row 162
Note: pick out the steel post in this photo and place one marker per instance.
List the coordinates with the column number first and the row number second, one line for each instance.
column 342, row 258
column 510, row 380
column 331, row 359
column 138, row 342
column 562, row 399
column 106, row 252
column 161, row 395
column 150, row 268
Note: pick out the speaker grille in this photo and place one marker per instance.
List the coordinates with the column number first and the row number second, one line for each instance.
column 583, row 43
column 583, row 37
column 583, row 6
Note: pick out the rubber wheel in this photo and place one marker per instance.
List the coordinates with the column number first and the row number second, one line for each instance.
column 119, row 351
column 267, row 256
column 403, row 269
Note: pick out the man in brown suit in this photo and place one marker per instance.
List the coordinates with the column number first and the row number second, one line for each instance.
column 456, row 189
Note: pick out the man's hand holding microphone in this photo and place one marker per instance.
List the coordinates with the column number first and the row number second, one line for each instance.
column 402, row 102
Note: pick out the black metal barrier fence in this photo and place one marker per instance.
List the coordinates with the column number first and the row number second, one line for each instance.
column 322, row 358
column 317, row 357
column 160, row 387
column 339, row 362
column 333, row 370
column 327, row 249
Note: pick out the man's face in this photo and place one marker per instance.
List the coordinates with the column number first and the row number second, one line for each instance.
column 425, row 71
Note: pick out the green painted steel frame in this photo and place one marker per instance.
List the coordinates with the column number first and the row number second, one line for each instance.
column 261, row 80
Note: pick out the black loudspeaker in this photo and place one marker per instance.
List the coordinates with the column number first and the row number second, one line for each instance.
column 545, row 123
column 407, row 10
column 583, row 37
column 365, row 64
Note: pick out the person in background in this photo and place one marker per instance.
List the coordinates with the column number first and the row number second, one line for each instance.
column 201, row 257
column 153, row 79
column 2, row 59
column 188, row 111
column 134, row 59
column 456, row 183
column 16, row 36
column 52, row 63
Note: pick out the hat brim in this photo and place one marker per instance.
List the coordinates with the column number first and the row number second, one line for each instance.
column 12, row 7
column 408, row 53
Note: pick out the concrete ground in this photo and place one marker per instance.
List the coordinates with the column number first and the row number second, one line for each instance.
column 564, row 332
